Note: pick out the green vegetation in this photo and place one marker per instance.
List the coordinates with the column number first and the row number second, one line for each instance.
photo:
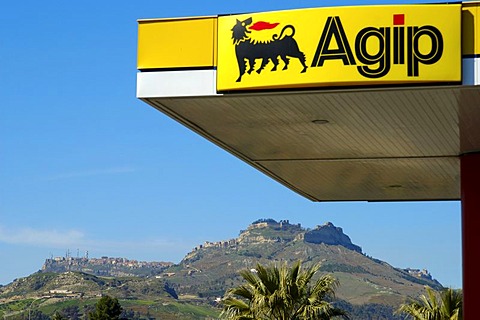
column 195, row 310
column 107, row 308
column 13, row 306
column 282, row 293
column 132, row 309
column 446, row 305
column 339, row 267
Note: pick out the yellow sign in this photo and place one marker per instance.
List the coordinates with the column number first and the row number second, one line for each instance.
column 471, row 29
column 176, row 43
column 340, row 46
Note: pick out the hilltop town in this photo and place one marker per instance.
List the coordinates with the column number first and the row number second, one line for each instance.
column 105, row 266
column 285, row 231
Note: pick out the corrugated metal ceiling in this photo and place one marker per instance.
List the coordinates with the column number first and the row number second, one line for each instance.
column 378, row 144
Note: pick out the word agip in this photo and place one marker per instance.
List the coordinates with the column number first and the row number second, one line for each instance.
column 394, row 45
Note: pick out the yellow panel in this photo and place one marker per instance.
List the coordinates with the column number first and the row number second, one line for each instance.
column 177, row 43
column 340, row 46
column 471, row 28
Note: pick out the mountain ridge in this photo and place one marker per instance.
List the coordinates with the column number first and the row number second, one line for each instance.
column 367, row 285
column 261, row 231
column 211, row 268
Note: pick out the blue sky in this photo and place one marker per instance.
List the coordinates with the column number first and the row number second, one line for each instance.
column 86, row 166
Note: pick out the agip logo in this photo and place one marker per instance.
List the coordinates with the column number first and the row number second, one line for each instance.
column 334, row 47
column 248, row 50
column 376, row 64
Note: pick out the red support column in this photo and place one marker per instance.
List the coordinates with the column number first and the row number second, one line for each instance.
column 470, row 196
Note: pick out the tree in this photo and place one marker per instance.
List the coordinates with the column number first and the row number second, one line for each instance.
column 58, row 316
column 71, row 312
column 446, row 305
column 282, row 293
column 37, row 315
column 107, row 308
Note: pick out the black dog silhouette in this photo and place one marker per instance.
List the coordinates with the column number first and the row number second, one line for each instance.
column 247, row 50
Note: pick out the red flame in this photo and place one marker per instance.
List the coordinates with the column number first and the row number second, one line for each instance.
column 262, row 25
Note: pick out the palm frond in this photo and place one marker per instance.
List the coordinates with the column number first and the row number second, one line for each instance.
column 446, row 304
column 280, row 292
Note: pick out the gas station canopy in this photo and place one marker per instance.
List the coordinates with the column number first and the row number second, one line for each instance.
column 372, row 103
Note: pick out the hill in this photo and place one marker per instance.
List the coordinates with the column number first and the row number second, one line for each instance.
column 213, row 267
column 369, row 288
column 74, row 294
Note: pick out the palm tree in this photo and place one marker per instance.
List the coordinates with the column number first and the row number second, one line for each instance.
column 447, row 305
column 282, row 293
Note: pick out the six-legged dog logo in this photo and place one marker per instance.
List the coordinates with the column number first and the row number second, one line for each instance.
column 248, row 50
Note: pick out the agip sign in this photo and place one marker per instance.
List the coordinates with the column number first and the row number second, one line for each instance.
column 339, row 47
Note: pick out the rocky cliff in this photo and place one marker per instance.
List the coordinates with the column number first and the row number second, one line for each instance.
column 331, row 235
